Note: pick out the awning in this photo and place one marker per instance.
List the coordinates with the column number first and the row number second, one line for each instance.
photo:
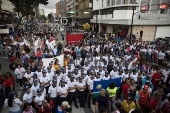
column 118, row 31
column 4, row 31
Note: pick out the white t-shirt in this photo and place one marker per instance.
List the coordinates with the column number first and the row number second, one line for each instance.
column 63, row 90
column 52, row 91
column 28, row 97
column 161, row 55
column 34, row 89
column 39, row 99
column 81, row 85
column 45, row 79
column 16, row 105
column 72, row 84
column 90, row 83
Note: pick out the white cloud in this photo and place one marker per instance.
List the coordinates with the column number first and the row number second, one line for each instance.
column 50, row 8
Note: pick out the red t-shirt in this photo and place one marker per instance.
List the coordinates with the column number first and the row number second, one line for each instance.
column 8, row 82
column 12, row 79
column 125, row 88
column 1, row 80
column 12, row 59
column 156, row 76
column 153, row 103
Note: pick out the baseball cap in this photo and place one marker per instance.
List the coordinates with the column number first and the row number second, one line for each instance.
column 26, row 88
column 35, row 80
column 35, row 74
column 62, row 81
column 146, row 87
column 44, row 71
column 12, row 93
column 39, row 90
column 54, row 81
column 65, row 104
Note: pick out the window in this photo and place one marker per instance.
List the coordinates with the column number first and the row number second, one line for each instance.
column 162, row 11
column 133, row 1
column 108, row 3
column 109, row 11
column 125, row 1
column 112, row 2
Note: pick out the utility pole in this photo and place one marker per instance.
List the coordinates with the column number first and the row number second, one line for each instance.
column 131, row 27
column 99, row 16
column 96, row 23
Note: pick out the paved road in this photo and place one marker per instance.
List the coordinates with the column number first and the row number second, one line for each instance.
column 5, row 68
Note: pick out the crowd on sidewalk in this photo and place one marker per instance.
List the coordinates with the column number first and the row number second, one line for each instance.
column 143, row 68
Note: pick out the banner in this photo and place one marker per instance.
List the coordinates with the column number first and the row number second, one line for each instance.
column 46, row 61
column 97, row 85
column 73, row 38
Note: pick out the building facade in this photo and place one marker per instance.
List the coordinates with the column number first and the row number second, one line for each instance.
column 61, row 8
column 151, row 17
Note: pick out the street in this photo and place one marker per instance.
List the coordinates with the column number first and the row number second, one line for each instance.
column 5, row 68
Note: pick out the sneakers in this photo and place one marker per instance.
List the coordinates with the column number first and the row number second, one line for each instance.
column 21, row 88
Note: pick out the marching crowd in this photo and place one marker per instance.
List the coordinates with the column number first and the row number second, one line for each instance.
column 142, row 67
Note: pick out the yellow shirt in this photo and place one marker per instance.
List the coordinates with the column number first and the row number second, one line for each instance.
column 57, row 67
column 127, row 107
column 65, row 63
column 112, row 92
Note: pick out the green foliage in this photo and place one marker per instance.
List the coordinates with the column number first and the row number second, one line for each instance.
column 43, row 17
column 25, row 7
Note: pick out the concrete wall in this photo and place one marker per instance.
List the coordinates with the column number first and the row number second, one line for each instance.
column 109, row 29
column 122, row 14
column 162, row 32
column 6, row 5
column 148, row 32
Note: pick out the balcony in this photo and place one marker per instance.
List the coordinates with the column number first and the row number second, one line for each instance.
column 147, row 16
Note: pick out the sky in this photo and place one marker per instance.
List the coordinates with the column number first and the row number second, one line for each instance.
column 50, row 7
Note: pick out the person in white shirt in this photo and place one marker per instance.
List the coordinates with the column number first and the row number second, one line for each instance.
column 90, row 89
column 35, row 87
column 72, row 91
column 114, row 73
column 28, row 96
column 134, row 75
column 45, row 80
column 52, row 92
column 107, row 76
column 13, row 103
column 81, row 86
column 39, row 72
column 28, row 74
column 38, row 99
column 55, row 51
column 63, row 91
column 50, row 73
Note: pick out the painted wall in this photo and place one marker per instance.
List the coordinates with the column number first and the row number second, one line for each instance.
column 109, row 29
column 122, row 14
column 162, row 32
column 148, row 32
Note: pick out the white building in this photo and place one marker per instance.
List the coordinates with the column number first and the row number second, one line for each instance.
column 7, row 5
column 150, row 16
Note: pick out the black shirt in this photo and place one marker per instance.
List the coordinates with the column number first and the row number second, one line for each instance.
column 102, row 101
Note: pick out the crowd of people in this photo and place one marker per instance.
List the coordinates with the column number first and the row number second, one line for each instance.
column 143, row 69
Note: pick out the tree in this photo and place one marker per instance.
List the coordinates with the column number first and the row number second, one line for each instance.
column 25, row 7
column 43, row 17
column 50, row 17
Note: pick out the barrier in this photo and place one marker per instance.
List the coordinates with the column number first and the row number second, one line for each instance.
column 73, row 38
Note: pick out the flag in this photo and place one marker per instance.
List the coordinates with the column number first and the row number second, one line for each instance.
column 97, row 85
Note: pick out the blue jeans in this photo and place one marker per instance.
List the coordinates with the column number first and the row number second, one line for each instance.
column 3, row 53
column 112, row 104
column 15, row 111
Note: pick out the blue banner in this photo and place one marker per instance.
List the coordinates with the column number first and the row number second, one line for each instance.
column 97, row 85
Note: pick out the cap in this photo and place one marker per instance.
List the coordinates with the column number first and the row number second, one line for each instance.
column 65, row 104
column 35, row 80
column 76, row 69
column 39, row 90
column 48, row 67
column 35, row 74
column 26, row 88
column 98, row 73
column 28, row 68
column 44, row 102
column 72, row 76
column 106, row 72
column 55, row 76
column 129, row 98
column 44, row 71
column 80, row 78
column 51, row 63
column 39, row 67
column 41, row 85
column 12, row 93
column 146, row 87
column 69, row 71
column 54, row 81
column 62, row 81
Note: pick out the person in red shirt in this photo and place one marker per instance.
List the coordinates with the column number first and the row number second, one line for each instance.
column 155, row 102
column 156, row 78
column 1, row 79
column 125, row 88
column 8, row 85
column 12, row 79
